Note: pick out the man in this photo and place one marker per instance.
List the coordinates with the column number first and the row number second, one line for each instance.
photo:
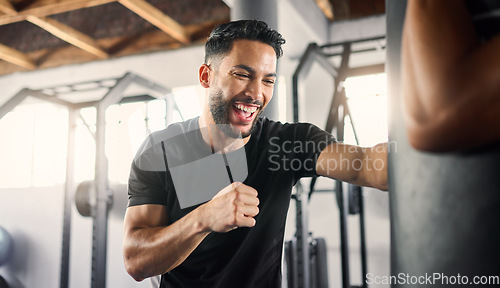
column 451, row 74
column 235, row 239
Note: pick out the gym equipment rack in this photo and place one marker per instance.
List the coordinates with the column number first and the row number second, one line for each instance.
column 100, row 194
column 350, row 201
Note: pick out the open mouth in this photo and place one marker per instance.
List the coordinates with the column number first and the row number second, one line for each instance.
column 245, row 112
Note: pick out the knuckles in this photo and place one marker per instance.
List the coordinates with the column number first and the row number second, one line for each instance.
column 236, row 207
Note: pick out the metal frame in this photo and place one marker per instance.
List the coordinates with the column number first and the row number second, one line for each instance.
column 102, row 196
column 339, row 109
column 303, row 276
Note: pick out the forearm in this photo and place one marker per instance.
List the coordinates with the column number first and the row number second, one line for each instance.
column 375, row 169
column 150, row 251
column 357, row 165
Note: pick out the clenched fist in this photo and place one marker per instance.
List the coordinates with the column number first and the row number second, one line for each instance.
column 234, row 206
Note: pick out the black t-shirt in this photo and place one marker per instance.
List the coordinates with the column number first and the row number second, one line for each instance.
column 277, row 156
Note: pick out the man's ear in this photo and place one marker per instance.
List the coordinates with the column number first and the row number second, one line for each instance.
column 204, row 75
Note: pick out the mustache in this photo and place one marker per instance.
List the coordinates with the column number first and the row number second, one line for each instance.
column 248, row 101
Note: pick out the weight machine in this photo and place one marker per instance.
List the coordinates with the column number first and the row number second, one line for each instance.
column 306, row 256
column 93, row 197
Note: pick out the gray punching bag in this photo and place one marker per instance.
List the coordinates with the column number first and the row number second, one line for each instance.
column 445, row 208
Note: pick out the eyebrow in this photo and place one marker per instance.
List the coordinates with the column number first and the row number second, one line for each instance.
column 252, row 71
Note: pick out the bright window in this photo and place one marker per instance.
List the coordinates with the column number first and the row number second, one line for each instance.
column 367, row 100
column 33, row 146
column 34, row 134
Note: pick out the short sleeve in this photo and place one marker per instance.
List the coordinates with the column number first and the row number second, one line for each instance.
column 309, row 142
column 146, row 186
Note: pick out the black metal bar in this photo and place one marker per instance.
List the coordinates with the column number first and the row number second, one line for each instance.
column 313, row 53
column 302, row 236
column 302, row 68
column 355, row 51
column 339, row 93
column 311, row 187
column 333, row 116
column 341, row 117
column 293, row 278
column 354, row 41
column 347, row 112
column 344, row 246
column 362, row 237
column 342, row 194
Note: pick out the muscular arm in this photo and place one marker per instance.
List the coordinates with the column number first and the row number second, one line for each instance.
column 152, row 248
column 451, row 82
column 354, row 164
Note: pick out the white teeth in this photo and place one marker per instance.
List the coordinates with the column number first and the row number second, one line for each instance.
column 246, row 109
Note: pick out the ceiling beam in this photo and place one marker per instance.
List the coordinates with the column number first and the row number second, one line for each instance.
column 16, row 57
column 43, row 8
column 7, row 8
column 158, row 19
column 69, row 35
column 341, row 9
column 326, row 8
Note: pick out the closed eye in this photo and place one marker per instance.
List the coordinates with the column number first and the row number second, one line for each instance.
column 242, row 75
column 269, row 82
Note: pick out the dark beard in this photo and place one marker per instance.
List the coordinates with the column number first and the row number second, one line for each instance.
column 220, row 112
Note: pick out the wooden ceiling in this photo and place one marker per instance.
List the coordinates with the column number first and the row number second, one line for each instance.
column 37, row 34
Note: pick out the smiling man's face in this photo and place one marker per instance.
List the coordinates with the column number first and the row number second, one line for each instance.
column 242, row 86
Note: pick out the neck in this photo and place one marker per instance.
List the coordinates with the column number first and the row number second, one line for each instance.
column 216, row 139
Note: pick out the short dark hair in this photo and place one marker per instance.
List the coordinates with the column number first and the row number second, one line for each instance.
column 220, row 41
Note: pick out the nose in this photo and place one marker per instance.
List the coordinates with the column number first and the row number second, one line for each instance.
column 255, row 90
